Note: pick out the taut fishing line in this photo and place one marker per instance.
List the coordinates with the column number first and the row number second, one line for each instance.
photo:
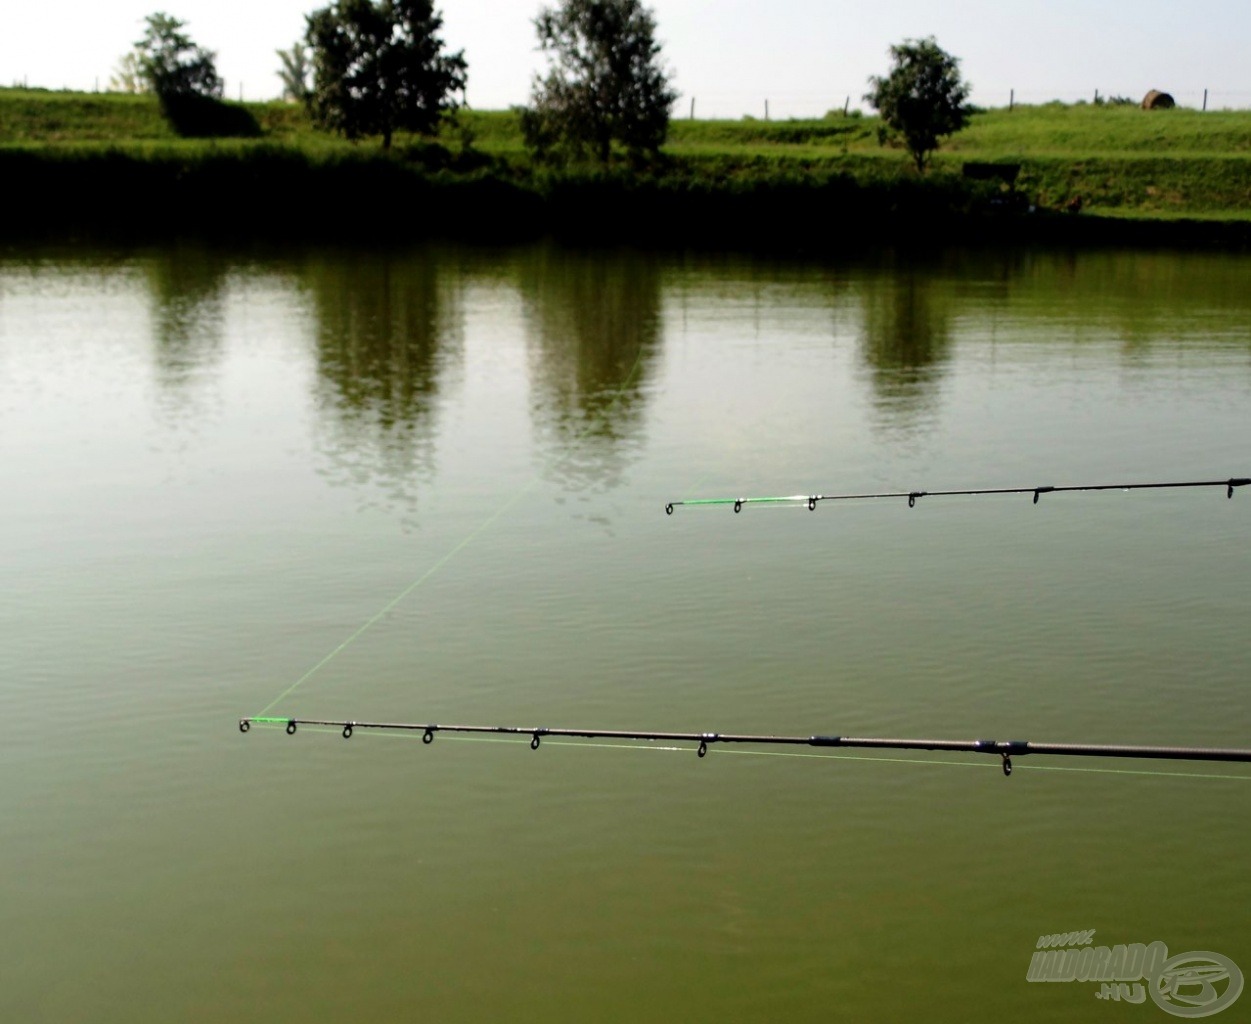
column 1005, row 750
column 486, row 523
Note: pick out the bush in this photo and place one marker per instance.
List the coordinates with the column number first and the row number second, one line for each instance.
column 194, row 116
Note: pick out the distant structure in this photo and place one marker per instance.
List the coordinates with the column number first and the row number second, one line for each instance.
column 1156, row 100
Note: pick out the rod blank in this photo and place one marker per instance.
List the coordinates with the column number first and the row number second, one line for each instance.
column 912, row 496
column 1005, row 749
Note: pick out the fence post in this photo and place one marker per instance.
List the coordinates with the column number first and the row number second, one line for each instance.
column 846, row 105
column 1011, row 99
column 692, row 108
column 1205, row 101
column 766, row 110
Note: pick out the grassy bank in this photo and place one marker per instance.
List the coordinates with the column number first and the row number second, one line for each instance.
column 103, row 158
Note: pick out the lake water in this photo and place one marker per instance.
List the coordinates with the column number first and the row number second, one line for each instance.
column 429, row 485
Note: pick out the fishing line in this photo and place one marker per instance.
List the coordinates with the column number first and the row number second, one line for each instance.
column 468, row 539
column 279, row 723
column 913, row 496
column 381, row 613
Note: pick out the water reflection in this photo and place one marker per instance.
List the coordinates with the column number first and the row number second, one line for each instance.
column 905, row 343
column 593, row 324
column 188, row 289
column 387, row 328
column 387, row 332
column 1147, row 297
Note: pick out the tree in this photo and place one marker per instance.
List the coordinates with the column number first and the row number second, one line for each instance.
column 171, row 65
column 380, row 67
column 923, row 97
column 184, row 78
column 294, row 73
column 126, row 76
column 605, row 83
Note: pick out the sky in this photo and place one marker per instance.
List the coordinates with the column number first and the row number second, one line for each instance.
column 803, row 57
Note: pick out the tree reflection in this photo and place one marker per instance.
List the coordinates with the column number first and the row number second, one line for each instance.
column 386, row 329
column 905, row 343
column 593, row 320
column 188, row 288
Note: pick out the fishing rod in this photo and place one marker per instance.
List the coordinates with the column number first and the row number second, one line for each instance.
column 912, row 496
column 1005, row 749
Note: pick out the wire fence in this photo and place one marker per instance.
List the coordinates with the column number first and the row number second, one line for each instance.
column 783, row 106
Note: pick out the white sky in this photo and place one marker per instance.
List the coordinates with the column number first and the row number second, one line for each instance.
column 804, row 56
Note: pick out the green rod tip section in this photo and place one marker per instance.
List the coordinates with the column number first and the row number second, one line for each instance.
column 744, row 501
column 268, row 718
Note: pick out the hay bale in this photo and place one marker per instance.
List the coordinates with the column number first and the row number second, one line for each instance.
column 1156, row 100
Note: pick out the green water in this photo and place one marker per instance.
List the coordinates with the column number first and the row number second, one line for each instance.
column 216, row 467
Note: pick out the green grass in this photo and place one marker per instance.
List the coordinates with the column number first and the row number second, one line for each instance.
column 1087, row 130
column 52, row 118
column 1120, row 161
